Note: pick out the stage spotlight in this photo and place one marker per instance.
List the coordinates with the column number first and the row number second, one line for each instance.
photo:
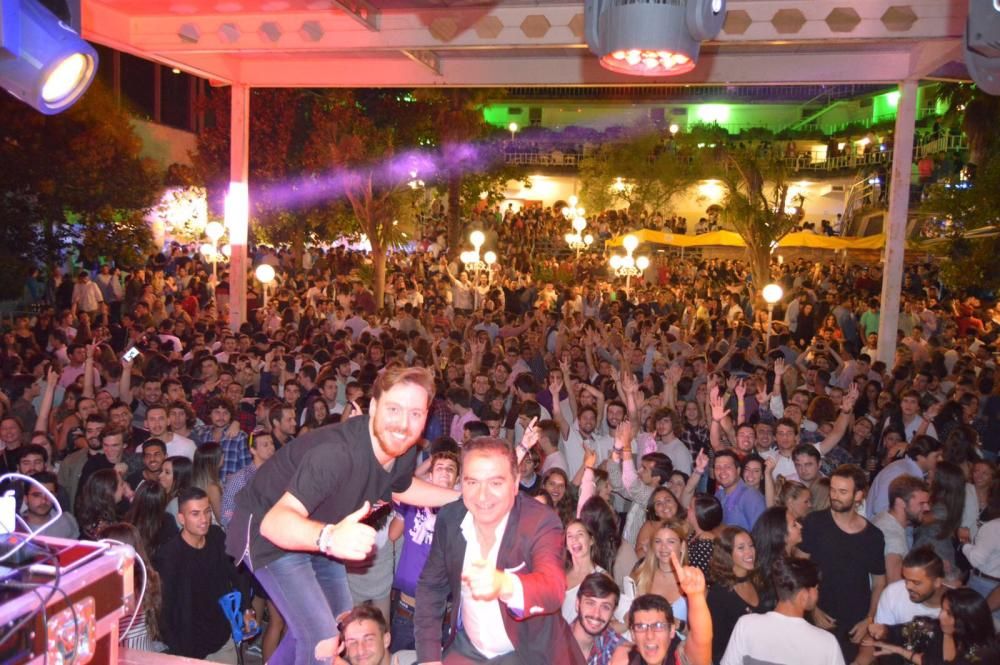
column 982, row 45
column 43, row 62
column 651, row 37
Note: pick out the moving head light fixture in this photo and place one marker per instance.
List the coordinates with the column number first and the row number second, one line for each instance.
column 651, row 37
column 982, row 44
column 43, row 61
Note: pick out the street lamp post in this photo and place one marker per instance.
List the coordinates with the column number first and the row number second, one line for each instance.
column 473, row 260
column 265, row 275
column 629, row 266
column 214, row 231
column 512, row 128
column 772, row 294
column 576, row 239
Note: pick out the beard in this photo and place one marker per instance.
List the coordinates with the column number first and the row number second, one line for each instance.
column 841, row 507
column 586, row 629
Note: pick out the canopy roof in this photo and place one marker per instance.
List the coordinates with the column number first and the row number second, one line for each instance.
column 731, row 239
column 413, row 43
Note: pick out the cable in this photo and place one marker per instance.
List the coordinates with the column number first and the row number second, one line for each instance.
column 33, row 534
column 142, row 590
column 53, row 557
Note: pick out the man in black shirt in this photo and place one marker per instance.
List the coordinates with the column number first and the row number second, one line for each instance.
column 194, row 573
column 306, row 507
column 848, row 549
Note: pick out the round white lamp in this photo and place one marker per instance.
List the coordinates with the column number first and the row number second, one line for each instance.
column 477, row 238
column 772, row 294
column 214, row 231
column 265, row 275
column 630, row 242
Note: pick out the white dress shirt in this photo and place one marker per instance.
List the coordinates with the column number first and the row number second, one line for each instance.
column 482, row 620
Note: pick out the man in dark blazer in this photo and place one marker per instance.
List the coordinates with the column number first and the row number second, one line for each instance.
column 498, row 555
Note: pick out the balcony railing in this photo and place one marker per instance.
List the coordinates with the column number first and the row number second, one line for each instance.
column 803, row 161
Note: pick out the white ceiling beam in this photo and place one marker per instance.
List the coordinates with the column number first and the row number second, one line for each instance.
column 364, row 13
column 787, row 68
column 428, row 59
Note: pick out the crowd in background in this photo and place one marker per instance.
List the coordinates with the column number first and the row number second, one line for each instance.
column 830, row 498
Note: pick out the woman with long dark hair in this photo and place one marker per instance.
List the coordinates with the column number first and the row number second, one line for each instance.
column 581, row 549
column 556, row 484
column 705, row 519
column 610, row 551
column 776, row 534
column 175, row 477
column 98, row 503
column 149, row 516
column 941, row 522
column 661, row 506
column 144, row 630
column 733, row 592
column 963, row 634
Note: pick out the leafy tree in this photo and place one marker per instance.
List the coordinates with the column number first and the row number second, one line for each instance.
column 643, row 172
column 355, row 157
column 467, row 159
column 969, row 262
column 281, row 122
column 76, row 178
column 974, row 112
column 757, row 205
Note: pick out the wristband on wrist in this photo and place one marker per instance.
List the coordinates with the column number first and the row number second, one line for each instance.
column 323, row 537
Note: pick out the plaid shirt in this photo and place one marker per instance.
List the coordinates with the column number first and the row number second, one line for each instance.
column 604, row 647
column 234, row 483
column 235, row 450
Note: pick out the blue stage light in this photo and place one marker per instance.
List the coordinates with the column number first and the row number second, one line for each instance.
column 43, row 62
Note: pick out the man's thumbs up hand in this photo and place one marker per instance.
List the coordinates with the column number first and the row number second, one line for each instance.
column 348, row 539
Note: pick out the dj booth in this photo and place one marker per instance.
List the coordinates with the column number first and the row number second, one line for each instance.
column 61, row 600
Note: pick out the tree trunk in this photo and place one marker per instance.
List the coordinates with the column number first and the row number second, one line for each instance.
column 51, row 257
column 298, row 245
column 454, row 212
column 378, row 261
column 760, row 265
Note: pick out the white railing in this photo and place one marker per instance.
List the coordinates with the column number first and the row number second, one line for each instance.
column 806, row 161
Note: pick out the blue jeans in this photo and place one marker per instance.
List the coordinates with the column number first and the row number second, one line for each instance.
column 402, row 626
column 984, row 588
column 310, row 590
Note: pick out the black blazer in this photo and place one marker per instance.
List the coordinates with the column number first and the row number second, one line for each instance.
column 532, row 548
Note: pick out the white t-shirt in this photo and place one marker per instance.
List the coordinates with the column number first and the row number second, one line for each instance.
column 678, row 453
column 177, row 446
column 895, row 606
column 777, row 639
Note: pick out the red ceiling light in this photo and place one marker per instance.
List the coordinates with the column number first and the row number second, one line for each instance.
column 648, row 63
column 650, row 37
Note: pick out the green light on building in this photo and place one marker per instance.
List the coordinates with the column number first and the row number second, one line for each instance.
column 496, row 115
column 712, row 113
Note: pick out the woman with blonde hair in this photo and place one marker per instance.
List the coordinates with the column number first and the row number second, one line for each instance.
column 655, row 574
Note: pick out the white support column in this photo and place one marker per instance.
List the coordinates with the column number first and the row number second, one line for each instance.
column 899, row 203
column 237, row 203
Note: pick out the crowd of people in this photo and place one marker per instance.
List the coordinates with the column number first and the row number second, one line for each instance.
column 493, row 469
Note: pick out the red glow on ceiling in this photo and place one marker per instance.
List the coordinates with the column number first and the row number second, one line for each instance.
column 645, row 62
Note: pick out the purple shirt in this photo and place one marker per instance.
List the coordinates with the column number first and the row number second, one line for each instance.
column 418, row 534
